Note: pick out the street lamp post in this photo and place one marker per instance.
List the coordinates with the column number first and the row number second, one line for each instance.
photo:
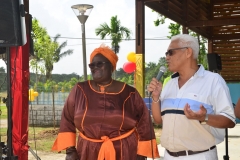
column 82, row 12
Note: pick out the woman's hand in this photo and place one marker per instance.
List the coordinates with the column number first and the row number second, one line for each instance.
column 71, row 154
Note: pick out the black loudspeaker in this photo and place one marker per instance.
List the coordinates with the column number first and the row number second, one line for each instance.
column 31, row 45
column 12, row 23
column 2, row 50
column 214, row 62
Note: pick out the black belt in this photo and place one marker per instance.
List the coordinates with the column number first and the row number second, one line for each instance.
column 185, row 153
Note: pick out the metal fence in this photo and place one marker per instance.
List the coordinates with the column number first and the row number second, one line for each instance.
column 47, row 98
column 46, row 108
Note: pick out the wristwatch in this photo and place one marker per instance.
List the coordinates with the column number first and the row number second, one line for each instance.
column 205, row 120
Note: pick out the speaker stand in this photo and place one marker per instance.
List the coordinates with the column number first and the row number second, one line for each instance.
column 226, row 157
column 8, row 149
column 34, row 154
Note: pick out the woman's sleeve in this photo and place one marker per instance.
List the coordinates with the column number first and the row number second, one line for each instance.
column 147, row 145
column 67, row 132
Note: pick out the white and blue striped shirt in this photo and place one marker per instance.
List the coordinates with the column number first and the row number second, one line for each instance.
column 180, row 133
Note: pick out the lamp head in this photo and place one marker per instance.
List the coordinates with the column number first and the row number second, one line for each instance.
column 82, row 11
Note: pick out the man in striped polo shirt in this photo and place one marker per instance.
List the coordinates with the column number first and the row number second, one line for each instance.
column 194, row 106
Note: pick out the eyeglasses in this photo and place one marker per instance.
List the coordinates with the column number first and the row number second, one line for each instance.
column 170, row 51
column 97, row 64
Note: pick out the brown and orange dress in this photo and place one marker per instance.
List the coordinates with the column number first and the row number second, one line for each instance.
column 112, row 126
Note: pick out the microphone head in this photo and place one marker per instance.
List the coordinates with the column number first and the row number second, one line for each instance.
column 163, row 69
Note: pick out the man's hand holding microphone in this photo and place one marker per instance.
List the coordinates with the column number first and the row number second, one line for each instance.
column 155, row 89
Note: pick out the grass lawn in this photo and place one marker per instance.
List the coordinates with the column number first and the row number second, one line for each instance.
column 3, row 111
column 39, row 138
column 43, row 138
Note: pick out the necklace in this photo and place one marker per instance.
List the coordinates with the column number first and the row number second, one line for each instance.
column 102, row 87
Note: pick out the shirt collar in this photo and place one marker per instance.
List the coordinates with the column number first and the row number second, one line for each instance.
column 199, row 73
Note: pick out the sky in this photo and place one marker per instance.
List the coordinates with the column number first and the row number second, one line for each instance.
column 58, row 18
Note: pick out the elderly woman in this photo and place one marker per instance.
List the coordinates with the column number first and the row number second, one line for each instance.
column 111, row 117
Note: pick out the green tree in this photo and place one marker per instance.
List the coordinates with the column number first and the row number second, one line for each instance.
column 62, row 86
column 176, row 28
column 121, row 73
column 162, row 62
column 49, row 85
column 39, row 87
column 47, row 50
column 41, row 40
column 152, row 70
column 73, row 81
column 55, row 55
column 128, row 80
column 115, row 31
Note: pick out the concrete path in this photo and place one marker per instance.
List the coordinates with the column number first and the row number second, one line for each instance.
column 3, row 123
column 46, row 156
column 233, row 145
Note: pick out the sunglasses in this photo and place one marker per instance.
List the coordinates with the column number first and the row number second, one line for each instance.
column 97, row 64
column 170, row 51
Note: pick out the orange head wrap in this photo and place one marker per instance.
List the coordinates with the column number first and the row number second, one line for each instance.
column 106, row 52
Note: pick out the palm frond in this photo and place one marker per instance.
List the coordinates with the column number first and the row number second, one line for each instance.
column 125, row 31
column 58, row 50
column 56, row 38
column 103, row 30
column 115, row 31
column 66, row 53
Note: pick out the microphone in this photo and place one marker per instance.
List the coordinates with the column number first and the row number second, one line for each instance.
column 162, row 70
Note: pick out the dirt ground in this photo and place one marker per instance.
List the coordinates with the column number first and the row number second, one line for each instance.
column 48, row 133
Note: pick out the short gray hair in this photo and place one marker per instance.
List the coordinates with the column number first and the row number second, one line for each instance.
column 185, row 40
